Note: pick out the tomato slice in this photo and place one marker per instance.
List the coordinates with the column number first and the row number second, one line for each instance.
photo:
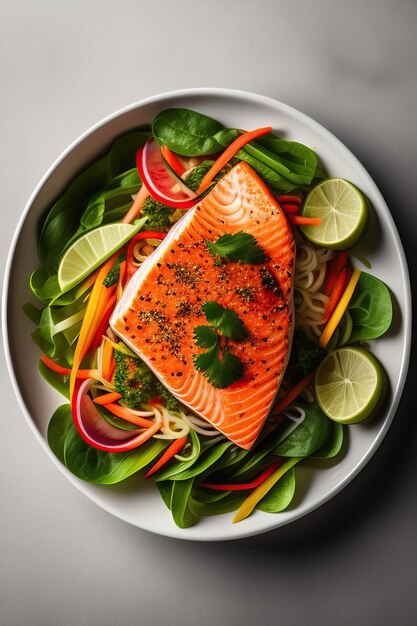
column 161, row 182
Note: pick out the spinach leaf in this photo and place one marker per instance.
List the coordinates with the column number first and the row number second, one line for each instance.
column 333, row 444
column 309, row 436
column 370, row 309
column 172, row 470
column 204, row 462
column 190, row 133
column 165, row 491
column 182, row 514
column 279, row 497
column 93, row 465
column 270, row 176
column 57, row 381
column 228, row 503
column 64, row 216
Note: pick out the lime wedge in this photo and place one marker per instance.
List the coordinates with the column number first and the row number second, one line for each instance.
column 91, row 250
column 348, row 384
column 343, row 211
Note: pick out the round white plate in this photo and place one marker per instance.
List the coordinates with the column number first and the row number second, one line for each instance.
column 141, row 505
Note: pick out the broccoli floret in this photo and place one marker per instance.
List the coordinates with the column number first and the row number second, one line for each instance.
column 137, row 384
column 305, row 357
column 159, row 215
column 113, row 274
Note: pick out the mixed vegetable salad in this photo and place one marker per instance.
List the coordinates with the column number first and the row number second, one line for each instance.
column 119, row 419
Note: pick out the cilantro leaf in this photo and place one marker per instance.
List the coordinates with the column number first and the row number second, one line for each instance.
column 205, row 337
column 225, row 320
column 221, row 372
column 238, row 247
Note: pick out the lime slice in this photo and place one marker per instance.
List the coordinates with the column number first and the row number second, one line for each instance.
column 343, row 211
column 91, row 250
column 348, row 384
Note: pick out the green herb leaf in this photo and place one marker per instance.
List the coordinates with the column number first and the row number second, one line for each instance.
column 241, row 247
column 204, row 336
column 225, row 320
column 221, row 372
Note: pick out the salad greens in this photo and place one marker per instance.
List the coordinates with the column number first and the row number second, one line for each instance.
column 102, row 194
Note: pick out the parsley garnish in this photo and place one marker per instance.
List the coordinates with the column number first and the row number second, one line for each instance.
column 238, row 247
column 218, row 364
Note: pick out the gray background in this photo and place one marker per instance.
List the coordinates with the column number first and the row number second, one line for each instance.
column 352, row 67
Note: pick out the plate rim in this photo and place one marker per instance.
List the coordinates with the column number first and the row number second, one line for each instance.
column 407, row 312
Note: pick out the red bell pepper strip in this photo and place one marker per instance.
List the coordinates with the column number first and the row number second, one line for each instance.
column 290, row 209
column 168, row 454
column 172, row 161
column 243, row 486
column 145, row 234
column 336, row 263
column 229, row 153
column 291, row 199
column 104, row 324
column 337, row 292
column 292, row 395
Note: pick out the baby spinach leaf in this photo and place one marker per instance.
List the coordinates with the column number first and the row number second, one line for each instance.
column 165, row 491
column 370, row 309
column 182, row 514
column 57, row 381
column 293, row 160
column 230, row 502
column 279, row 497
column 63, row 218
column 96, row 466
column 309, row 436
column 190, row 133
column 333, row 444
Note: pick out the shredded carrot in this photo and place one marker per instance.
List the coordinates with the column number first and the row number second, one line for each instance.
column 243, row 486
column 121, row 411
column 105, row 398
column 104, row 324
column 291, row 395
column 299, row 220
column 97, row 304
column 229, row 153
column 172, row 160
column 340, row 309
column 107, row 360
column 168, row 454
column 257, row 494
column 65, row 371
column 138, row 203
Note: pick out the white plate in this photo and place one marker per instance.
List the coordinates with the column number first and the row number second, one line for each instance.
column 142, row 506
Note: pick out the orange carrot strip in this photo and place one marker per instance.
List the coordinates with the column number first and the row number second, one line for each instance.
column 105, row 398
column 172, row 160
column 65, row 371
column 96, row 306
column 107, row 360
column 138, row 203
column 230, row 152
column 299, row 220
column 121, row 411
column 291, row 395
column 175, row 447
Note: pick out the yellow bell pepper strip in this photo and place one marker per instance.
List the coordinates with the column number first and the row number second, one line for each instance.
column 340, row 309
column 229, row 153
column 257, row 494
column 175, row 447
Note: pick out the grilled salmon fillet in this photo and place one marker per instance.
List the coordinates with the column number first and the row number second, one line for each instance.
column 161, row 305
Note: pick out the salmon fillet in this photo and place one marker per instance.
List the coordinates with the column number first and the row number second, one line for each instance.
column 161, row 305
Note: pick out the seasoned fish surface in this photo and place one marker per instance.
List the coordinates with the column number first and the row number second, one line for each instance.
column 161, row 305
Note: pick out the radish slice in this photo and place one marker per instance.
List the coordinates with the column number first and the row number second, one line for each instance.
column 160, row 180
column 96, row 431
